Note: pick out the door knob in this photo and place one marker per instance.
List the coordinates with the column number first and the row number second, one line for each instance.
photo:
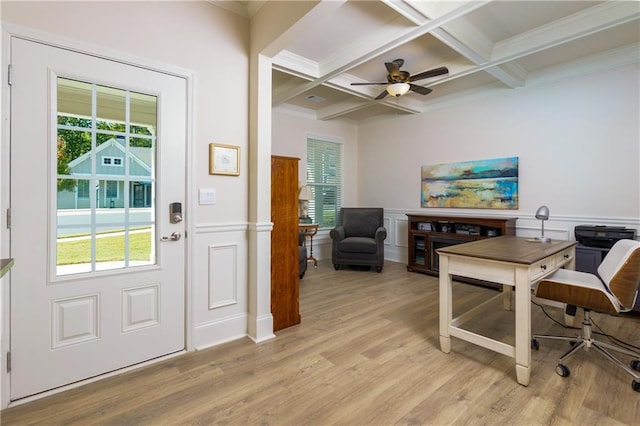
column 175, row 236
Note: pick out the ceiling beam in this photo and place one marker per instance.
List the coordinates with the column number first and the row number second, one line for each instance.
column 367, row 48
column 278, row 24
column 373, row 45
column 581, row 24
column 496, row 59
column 465, row 39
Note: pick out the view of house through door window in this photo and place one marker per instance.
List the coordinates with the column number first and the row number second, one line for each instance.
column 106, row 151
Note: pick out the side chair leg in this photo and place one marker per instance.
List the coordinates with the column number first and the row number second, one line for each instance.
column 572, row 340
column 603, row 352
column 571, row 351
column 564, row 338
column 618, row 349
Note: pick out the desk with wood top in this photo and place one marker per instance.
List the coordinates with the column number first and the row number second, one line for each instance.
column 514, row 262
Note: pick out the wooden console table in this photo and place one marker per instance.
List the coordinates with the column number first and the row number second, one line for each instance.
column 427, row 233
column 309, row 230
column 511, row 261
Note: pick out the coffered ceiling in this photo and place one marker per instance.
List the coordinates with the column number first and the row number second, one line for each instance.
column 487, row 46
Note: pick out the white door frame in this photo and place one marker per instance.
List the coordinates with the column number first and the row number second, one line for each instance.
column 9, row 31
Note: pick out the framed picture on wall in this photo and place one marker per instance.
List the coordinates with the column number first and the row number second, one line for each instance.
column 224, row 159
column 477, row 184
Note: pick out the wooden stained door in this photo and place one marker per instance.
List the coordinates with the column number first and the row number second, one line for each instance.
column 284, row 242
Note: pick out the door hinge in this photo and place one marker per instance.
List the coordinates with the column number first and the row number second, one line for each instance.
column 8, row 362
column 9, row 75
column 9, row 218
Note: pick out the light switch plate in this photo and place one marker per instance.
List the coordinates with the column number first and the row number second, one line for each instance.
column 207, row 196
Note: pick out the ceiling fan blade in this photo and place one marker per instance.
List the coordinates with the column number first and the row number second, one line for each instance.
column 382, row 95
column 431, row 73
column 369, row 84
column 398, row 62
column 394, row 67
column 420, row 89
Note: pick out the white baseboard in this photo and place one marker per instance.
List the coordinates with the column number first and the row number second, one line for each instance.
column 213, row 333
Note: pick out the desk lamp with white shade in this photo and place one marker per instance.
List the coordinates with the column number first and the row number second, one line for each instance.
column 304, row 196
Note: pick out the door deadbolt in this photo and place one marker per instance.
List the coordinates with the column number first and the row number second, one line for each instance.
column 175, row 212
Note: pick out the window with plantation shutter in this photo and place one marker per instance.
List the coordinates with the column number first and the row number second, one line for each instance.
column 324, row 176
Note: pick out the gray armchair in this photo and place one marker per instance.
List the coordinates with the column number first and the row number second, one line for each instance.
column 359, row 238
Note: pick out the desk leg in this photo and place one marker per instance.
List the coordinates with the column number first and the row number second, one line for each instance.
column 523, row 326
column 446, row 310
column 571, row 265
column 507, row 297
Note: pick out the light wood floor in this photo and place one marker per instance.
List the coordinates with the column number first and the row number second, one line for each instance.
column 367, row 353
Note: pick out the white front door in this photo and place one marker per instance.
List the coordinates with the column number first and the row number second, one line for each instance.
column 97, row 157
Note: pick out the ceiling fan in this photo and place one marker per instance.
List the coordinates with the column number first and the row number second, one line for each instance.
column 399, row 82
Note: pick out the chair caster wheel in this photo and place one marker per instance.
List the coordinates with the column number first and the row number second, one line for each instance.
column 534, row 344
column 635, row 386
column 562, row 370
column 635, row 364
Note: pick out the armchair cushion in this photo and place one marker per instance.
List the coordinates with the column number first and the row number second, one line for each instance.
column 358, row 245
column 360, row 223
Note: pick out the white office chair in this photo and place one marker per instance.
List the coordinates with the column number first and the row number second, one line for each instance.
column 614, row 292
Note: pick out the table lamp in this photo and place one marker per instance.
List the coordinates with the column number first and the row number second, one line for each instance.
column 543, row 214
column 304, row 196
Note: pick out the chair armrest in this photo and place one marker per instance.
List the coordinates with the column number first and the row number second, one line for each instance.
column 381, row 234
column 337, row 233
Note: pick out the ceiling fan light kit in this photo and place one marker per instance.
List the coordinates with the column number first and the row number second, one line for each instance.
column 399, row 82
column 398, row 89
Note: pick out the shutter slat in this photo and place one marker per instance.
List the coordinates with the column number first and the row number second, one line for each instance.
column 324, row 176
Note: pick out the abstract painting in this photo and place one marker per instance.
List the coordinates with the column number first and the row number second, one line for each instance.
column 479, row 184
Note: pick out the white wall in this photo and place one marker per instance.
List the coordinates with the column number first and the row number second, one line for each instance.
column 577, row 140
column 289, row 138
column 212, row 45
column 197, row 36
column 578, row 143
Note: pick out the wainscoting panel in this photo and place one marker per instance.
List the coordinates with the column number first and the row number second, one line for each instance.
column 386, row 222
column 396, row 245
column 400, row 232
column 220, row 284
column 223, row 281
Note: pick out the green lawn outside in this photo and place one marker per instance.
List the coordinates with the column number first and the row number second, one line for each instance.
column 74, row 251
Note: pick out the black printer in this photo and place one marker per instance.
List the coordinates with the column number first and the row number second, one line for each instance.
column 602, row 236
